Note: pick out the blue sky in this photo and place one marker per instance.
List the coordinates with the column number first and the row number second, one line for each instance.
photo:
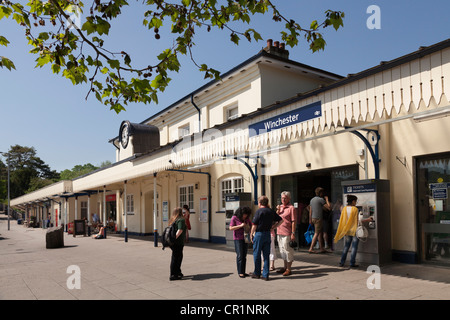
column 42, row 110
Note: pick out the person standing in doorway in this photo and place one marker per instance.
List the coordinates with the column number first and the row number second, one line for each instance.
column 187, row 215
column 264, row 221
column 177, row 247
column 241, row 224
column 348, row 223
column 286, row 232
column 316, row 207
column 335, row 217
column 303, row 226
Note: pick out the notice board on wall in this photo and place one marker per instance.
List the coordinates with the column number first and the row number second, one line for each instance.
column 203, row 217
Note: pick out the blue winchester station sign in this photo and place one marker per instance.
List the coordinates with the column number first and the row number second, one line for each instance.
column 305, row 113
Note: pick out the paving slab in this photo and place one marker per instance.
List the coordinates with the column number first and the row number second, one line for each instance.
column 112, row 269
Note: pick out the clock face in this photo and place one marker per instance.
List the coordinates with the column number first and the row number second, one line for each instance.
column 124, row 135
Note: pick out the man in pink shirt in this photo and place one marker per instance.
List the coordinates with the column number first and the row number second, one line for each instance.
column 286, row 232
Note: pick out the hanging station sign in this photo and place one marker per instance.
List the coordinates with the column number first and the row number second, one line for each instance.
column 302, row 114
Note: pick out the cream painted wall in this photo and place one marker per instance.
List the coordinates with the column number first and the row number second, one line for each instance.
column 279, row 83
column 219, row 171
column 409, row 139
column 128, row 151
column 133, row 220
column 245, row 93
column 328, row 152
column 170, row 183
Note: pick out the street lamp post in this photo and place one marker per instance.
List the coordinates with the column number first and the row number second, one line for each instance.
column 8, row 187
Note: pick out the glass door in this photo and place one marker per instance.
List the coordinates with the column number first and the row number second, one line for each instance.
column 433, row 207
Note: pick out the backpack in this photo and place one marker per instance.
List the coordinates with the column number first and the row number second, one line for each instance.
column 169, row 235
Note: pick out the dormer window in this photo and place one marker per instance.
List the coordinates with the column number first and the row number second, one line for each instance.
column 232, row 112
column 184, row 131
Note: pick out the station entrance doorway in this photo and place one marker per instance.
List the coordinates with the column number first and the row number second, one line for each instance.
column 302, row 185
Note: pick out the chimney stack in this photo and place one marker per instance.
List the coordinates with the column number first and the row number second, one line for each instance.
column 276, row 48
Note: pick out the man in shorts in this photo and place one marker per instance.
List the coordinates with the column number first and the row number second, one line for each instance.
column 316, row 206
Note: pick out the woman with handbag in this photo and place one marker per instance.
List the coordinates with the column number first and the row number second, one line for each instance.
column 286, row 232
column 240, row 224
column 348, row 223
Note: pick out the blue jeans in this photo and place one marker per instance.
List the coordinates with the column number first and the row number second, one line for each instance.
column 353, row 241
column 241, row 255
column 261, row 243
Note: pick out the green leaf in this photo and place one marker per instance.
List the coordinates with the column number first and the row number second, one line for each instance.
column 5, row 12
column 6, row 63
column 234, row 38
column 3, row 41
column 117, row 107
column 98, row 96
column 102, row 26
column 256, row 35
column 88, row 26
column 115, row 64
column 56, row 68
column 127, row 60
column 43, row 36
column 335, row 18
column 42, row 60
column 155, row 23
column 318, row 44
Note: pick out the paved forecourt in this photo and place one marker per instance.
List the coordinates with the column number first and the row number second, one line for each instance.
column 105, row 269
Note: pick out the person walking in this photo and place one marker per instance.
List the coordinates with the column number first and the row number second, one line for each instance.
column 348, row 223
column 264, row 221
column 177, row 247
column 316, row 207
column 241, row 224
column 286, row 232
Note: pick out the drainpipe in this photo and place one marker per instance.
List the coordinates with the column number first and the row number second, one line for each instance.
column 199, row 113
column 209, row 196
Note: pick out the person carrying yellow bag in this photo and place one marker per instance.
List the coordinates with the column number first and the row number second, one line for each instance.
column 348, row 223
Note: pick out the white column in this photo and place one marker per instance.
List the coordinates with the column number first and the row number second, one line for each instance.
column 65, row 213
column 104, row 204
column 89, row 208
column 76, row 208
column 125, row 210
column 155, row 227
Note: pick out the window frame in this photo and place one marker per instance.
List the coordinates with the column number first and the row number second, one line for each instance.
column 234, row 188
column 188, row 194
column 184, row 130
column 130, row 204
column 229, row 109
